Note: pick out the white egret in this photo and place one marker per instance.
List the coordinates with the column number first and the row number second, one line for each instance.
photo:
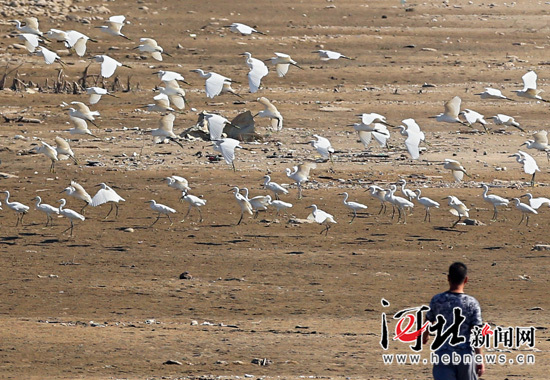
column 149, row 45
column 323, row 147
column 29, row 25
column 216, row 125
column 282, row 62
column 501, row 119
column 77, row 41
column 327, row 55
column 388, row 197
column 161, row 209
column 456, row 169
column 69, row 214
column 530, row 87
column 529, row 164
column 243, row 204
column 64, row 150
column 193, row 201
column 57, row 35
column 279, row 205
column 427, row 203
column 300, row 174
column 169, row 76
column 82, row 111
column 372, row 118
column 49, row 56
column 165, row 131
column 399, row 202
column 380, row 194
column 457, row 208
column 274, row 187
column 243, row 29
column 539, row 142
column 495, row 200
column 108, row 65
column 473, row 117
column 114, row 25
column 526, row 210
column 214, row 82
column 175, row 94
column 493, row 93
column 161, row 104
column 414, row 137
column 19, row 208
column 271, row 112
column 49, row 152
column 46, row 209
column 31, row 41
column 408, row 193
column 321, row 217
column 104, row 195
column 258, row 203
column 96, row 93
column 537, row 203
column 368, row 131
column 80, row 125
column 258, row 70
column 229, row 90
column 353, row 206
column 178, row 183
column 452, row 109
column 226, row 147
column 77, row 191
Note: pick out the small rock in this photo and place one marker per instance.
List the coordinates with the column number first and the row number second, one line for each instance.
column 473, row 222
column 541, row 247
column 194, row 323
column 172, row 362
column 129, row 229
column 185, row 276
column 262, row 362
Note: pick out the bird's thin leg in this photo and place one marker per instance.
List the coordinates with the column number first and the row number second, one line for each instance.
column 277, row 196
column 47, row 219
column 116, row 206
column 426, row 214
column 256, row 213
column 404, row 217
column 72, row 226
column 171, row 222
column 156, row 220
column 522, row 216
column 495, row 212
column 233, row 165
column 299, row 191
column 277, row 213
column 17, row 223
column 200, row 214
column 381, row 208
column 393, row 211
column 109, row 213
column 533, row 179
column 527, row 221
column 75, row 160
column 52, row 167
column 455, row 223
column 22, row 216
column 241, row 218
column 429, row 216
column 328, row 228
column 82, row 209
column 188, row 211
column 354, row 215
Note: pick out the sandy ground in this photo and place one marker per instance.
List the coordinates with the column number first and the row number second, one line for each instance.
column 107, row 303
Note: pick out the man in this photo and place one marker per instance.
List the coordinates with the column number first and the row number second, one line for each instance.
column 443, row 305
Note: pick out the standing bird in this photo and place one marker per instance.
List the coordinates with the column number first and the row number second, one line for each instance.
column 274, row 187
column 537, row 203
column 427, row 203
column 529, row 164
column 29, row 25
column 321, row 217
column 380, row 194
column 96, row 93
column 258, row 70
column 46, row 209
column 279, row 205
column 108, row 65
column 282, row 62
column 161, row 209
column 64, row 150
column 214, row 82
column 495, row 200
column 414, row 137
column 69, row 214
column 19, row 208
column 530, row 87
column 226, row 147
column 149, row 45
column 300, row 174
column 49, row 152
column 243, row 204
column 271, row 112
column 178, row 183
column 501, row 119
column 114, row 26
column 409, row 194
column 193, row 201
column 104, row 195
column 327, row 55
column 258, row 203
column 77, row 191
column 399, row 202
column 473, row 117
column 493, row 93
column 243, row 29
column 452, row 109
column 525, row 211
column 456, row 169
column 165, row 131
column 457, row 208
column 353, row 206
column 323, row 147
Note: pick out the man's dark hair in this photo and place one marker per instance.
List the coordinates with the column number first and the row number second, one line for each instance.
column 457, row 273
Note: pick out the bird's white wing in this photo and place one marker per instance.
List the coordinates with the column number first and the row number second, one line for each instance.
column 214, row 85
column 458, row 175
column 529, row 164
column 381, row 134
column 118, row 19
column 541, row 137
column 332, row 54
column 166, row 122
column 108, row 66
column 104, row 196
column 228, row 149
column 258, row 70
column 49, row 56
column 216, row 124
column 412, row 142
column 412, row 126
column 529, row 81
column 94, row 98
column 452, row 107
column 80, row 47
column 365, row 137
column 282, row 69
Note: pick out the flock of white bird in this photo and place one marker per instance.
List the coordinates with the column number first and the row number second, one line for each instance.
column 171, row 97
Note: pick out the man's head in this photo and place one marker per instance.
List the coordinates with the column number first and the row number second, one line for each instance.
column 458, row 273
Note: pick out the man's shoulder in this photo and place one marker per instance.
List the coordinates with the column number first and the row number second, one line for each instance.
column 462, row 297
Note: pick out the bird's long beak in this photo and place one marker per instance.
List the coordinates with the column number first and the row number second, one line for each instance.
column 168, row 54
column 523, row 144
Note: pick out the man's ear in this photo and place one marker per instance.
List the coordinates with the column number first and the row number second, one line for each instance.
column 465, row 279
